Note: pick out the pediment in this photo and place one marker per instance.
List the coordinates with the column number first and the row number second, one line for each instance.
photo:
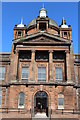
column 43, row 38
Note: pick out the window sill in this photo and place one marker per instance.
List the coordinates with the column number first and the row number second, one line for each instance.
column 60, row 108
column 21, row 107
column 22, row 60
column 24, row 80
column 41, row 81
column 59, row 60
column 39, row 60
column 59, row 80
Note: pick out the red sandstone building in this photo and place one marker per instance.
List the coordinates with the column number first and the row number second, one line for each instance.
column 41, row 76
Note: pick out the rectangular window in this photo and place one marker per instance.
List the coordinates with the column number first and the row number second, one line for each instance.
column 42, row 26
column 58, row 73
column 60, row 103
column 75, row 57
column 79, row 72
column 0, row 96
column 25, row 73
column 2, row 73
column 65, row 33
column 41, row 74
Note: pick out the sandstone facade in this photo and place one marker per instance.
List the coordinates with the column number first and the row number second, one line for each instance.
column 41, row 44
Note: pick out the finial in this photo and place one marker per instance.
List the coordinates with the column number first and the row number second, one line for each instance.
column 63, row 20
column 43, row 5
column 63, row 24
column 21, row 20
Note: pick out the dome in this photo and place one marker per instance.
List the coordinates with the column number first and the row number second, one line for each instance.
column 33, row 22
column 51, row 22
column 20, row 25
column 64, row 26
column 43, row 9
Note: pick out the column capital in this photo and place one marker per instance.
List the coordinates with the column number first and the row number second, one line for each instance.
column 17, row 51
column 50, row 51
column 33, row 51
column 67, row 51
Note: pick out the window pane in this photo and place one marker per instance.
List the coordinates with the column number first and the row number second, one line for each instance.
column 58, row 73
column 25, row 73
column 42, row 74
column 21, row 99
column 61, row 101
column 2, row 73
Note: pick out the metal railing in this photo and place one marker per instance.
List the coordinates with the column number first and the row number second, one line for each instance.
column 32, row 112
column 18, row 110
column 66, row 111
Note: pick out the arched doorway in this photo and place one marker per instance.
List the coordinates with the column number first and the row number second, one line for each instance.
column 41, row 102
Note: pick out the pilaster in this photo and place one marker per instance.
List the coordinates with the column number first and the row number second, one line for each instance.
column 32, row 78
column 14, row 66
column 50, row 65
column 68, row 66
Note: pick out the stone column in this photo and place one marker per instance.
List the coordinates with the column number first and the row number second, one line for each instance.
column 38, row 26
column 47, row 26
column 17, row 63
column 68, row 66
column 32, row 77
column 51, row 65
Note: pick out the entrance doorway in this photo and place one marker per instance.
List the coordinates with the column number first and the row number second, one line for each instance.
column 41, row 102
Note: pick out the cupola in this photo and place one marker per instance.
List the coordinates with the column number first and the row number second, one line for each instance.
column 65, row 30
column 43, row 12
column 19, row 30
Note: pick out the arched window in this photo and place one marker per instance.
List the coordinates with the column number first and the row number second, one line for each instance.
column 21, row 100
column 60, row 101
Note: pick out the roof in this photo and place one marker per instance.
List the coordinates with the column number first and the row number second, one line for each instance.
column 53, row 37
column 51, row 22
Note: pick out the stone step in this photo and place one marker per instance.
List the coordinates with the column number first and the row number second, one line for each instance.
column 55, row 119
column 40, row 118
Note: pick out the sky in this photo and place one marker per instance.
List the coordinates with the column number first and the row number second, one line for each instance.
column 78, row 28
column 14, row 11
